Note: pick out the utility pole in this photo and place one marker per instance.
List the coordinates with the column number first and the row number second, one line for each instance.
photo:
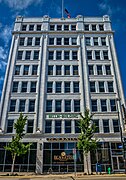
column 62, row 8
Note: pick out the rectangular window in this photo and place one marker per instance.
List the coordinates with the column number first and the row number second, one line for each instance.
column 73, row 27
column 74, row 41
column 48, row 126
column 76, row 87
column 66, row 27
column 49, row 106
column 103, row 41
column 108, row 69
column 93, row 27
column 52, row 27
column 17, row 70
column 101, row 27
column 94, row 105
column 15, row 86
column 67, row 126
column 86, row 27
column 74, row 55
column 57, row 126
column 38, row 27
column 29, row 41
column 116, row 125
column 12, row 105
column 31, row 105
column 10, row 126
column 58, row 87
column 36, row 55
column 28, row 55
column 22, row 105
column 58, row 105
column 19, row 55
column 113, row 104
column 34, row 69
column 76, row 105
column 51, row 41
column 22, row 40
column 67, row 87
column 103, row 105
column 110, row 87
column 101, row 86
column 106, row 125
column 67, row 105
column 58, row 55
column 66, row 70
column 88, row 41
column 75, row 70
column 99, row 70
column 24, row 27
column 50, row 70
column 51, row 54
column 37, row 41
column 66, row 55
column 30, row 124
column 58, row 70
column 105, row 54
column 33, row 86
column 31, row 27
column 49, row 87
column 89, row 55
column 24, row 87
column 59, row 41
column 91, row 69
column 92, row 86
column 96, row 123
column 59, row 27
column 95, row 39
column 77, row 127
column 66, row 41
column 97, row 55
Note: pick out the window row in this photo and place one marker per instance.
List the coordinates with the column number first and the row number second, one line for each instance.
column 22, row 105
column 97, row 55
column 63, row 70
column 28, row 55
column 63, row 55
column 60, row 27
column 62, row 41
column 63, row 105
column 26, row 70
column 24, row 86
column 63, row 87
column 29, row 41
column 101, row 86
column 94, row 27
column 28, row 127
column 99, row 69
column 31, row 27
column 95, row 41
column 103, row 105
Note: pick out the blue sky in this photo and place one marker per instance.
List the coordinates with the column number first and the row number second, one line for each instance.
column 9, row 9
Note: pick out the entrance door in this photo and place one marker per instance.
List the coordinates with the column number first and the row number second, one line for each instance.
column 118, row 163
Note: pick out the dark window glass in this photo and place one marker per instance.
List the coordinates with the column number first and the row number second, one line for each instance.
column 116, row 125
column 103, row 105
column 37, row 41
column 77, row 127
column 93, row 27
column 110, row 87
column 22, row 39
column 51, row 53
column 51, row 41
column 94, row 105
column 24, row 27
column 106, row 125
column 33, row 86
column 57, row 126
column 58, row 55
column 96, row 123
column 67, row 126
column 76, row 105
column 38, row 27
column 74, row 41
column 49, row 87
column 49, row 106
column 101, row 27
column 52, row 27
column 48, row 126
column 66, row 55
column 76, row 87
column 67, row 87
column 19, row 55
column 74, row 55
column 75, row 70
column 59, row 27
column 103, row 41
column 105, row 54
column 34, row 69
column 28, row 55
column 101, row 86
column 108, row 70
column 31, row 105
column 66, row 70
column 99, row 70
column 58, row 70
column 29, row 41
column 95, row 41
column 15, row 86
column 92, row 86
column 66, row 27
column 67, row 105
column 86, row 27
column 73, row 27
column 24, row 87
column 89, row 55
column 88, row 41
column 30, row 126
column 17, row 69
column 12, row 105
column 31, row 27
column 113, row 104
column 58, row 104
column 36, row 55
column 50, row 70
column 59, row 41
column 58, row 87
column 10, row 126
column 22, row 105
column 97, row 55
column 66, row 41
column 91, row 70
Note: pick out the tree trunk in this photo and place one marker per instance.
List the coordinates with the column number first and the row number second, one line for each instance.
column 87, row 164
column 12, row 167
column 83, row 158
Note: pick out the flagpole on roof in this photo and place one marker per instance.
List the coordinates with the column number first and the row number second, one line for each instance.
column 62, row 8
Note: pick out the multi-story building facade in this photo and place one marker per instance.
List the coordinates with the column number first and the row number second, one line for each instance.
column 56, row 69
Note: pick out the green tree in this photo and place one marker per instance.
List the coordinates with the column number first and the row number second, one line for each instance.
column 16, row 146
column 86, row 142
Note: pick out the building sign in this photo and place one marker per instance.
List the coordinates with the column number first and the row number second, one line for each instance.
column 61, row 139
column 72, row 115
column 63, row 157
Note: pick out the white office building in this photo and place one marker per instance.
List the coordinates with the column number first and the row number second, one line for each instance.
column 58, row 67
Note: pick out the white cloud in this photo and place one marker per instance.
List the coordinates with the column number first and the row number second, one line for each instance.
column 3, row 53
column 21, row 4
column 105, row 6
column 5, row 34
